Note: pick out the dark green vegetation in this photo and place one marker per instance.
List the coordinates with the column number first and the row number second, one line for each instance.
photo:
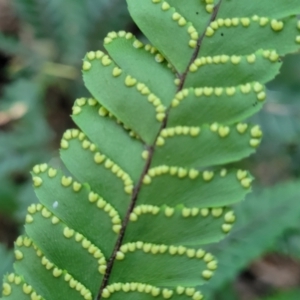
column 153, row 163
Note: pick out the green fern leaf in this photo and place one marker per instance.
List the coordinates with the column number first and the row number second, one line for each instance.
column 98, row 128
column 147, row 191
column 254, row 234
column 270, row 8
column 140, row 58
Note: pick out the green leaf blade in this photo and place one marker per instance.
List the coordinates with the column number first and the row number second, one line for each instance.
column 109, row 136
column 194, row 226
column 144, row 63
column 35, row 273
column 70, row 253
column 199, row 106
column 228, row 71
column 121, row 95
column 141, row 291
column 270, row 8
column 224, row 41
column 160, row 28
column 213, row 189
column 162, row 269
column 67, row 203
column 210, row 146
column 114, row 187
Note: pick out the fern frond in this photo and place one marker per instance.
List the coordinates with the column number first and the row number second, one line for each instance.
column 127, row 223
column 254, row 233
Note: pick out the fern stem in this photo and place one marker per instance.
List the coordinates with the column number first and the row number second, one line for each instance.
column 126, row 221
column 198, row 47
column 151, row 148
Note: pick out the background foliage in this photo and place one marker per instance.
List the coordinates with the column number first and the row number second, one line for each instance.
column 42, row 43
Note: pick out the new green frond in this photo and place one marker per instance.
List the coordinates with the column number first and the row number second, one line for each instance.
column 146, row 190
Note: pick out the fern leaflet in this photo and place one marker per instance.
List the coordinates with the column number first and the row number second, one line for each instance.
column 147, row 189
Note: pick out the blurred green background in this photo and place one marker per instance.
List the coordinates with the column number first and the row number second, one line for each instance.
column 42, row 43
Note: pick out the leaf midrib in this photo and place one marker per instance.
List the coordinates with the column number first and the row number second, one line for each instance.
column 151, row 149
